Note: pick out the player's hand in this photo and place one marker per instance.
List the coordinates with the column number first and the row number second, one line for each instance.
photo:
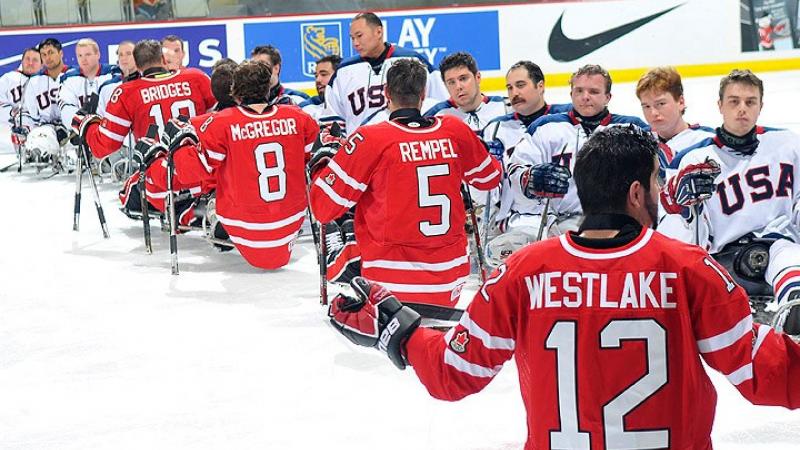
column 320, row 159
column 147, row 149
column 545, row 180
column 178, row 133
column 19, row 135
column 496, row 149
column 331, row 136
column 374, row 318
column 81, row 121
column 690, row 187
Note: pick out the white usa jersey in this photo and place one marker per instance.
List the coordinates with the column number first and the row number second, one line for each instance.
column 77, row 87
column 755, row 193
column 40, row 102
column 12, row 86
column 555, row 138
column 382, row 115
column 355, row 90
column 489, row 108
column 104, row 92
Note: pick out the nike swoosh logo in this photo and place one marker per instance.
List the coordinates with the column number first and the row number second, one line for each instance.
column 564, row 49
column 15, row 58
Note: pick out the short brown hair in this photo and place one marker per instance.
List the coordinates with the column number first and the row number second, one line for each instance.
column 742, row 77
column 592, row 69
column 147, row 52
column 221, row 81
column 269, row 50
column 661, row 79
column 405, row 82
column 251, row 82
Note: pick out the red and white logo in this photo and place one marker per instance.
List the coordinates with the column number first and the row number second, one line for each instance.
column 459, row 342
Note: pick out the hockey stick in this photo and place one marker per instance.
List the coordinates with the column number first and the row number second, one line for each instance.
column 173, row 224
column 317, row 231
column 470, row 209
column 84, row 158
column 487, row 213
column 543, row 223
column 436, row 312
column 152, row 133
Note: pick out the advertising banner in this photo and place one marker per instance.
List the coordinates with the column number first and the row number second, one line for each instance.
column 303, row 42
column 205, row 43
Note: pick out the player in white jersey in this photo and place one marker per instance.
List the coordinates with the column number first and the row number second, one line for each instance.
column 280, row 94
column 40, row 103
column 13, row 84
column 356, row 90
column 751, row 174
column 525, row 86
column 462, row 79
column 127, row 67
column 660, row 92
column 323, row 71
column 78, row 83
column 541, row 164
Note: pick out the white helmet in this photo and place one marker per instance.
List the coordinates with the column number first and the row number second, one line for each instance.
column 43, row 141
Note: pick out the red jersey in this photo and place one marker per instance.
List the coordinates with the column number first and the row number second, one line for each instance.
column 608, row 344
column 151, row 99
column 259, row 161
column 409, row 223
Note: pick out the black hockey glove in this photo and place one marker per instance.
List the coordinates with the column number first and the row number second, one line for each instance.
column 179, row 132
column 147, row 149
column 81, row 121
column 19, row 134
column 374, row 318
column 320, row 159
column 545, row 180
column 62, row 134
column 496, row 149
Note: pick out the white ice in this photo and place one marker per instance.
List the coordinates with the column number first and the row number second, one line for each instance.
column 101, row 348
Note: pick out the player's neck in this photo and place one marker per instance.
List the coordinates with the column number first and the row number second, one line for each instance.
column 679, row 128
column 536, row 108
column 474, row 104
column 55, row 72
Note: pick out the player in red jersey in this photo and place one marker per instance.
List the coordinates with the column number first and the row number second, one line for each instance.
column 607, row 325
column 156, row 97
column 406, row 176
column 259, row 152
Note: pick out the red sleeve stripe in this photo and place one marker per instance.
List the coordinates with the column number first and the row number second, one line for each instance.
column 489, row 341
column 464, row 366
column 111, row 135
column 215, row 156
column 727, row 338
column 480, row 167
column 336, row 198
column 423, row 288
column 416, row 265
column 264, row 244
column 348, row 180
column 258, row 226
column 117, row 120
column 741, row 374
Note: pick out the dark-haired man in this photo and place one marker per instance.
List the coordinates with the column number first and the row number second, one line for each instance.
column 405, row 174
column 462, row 79
column 745, row 181
column 607, row 324
column 356, row 89
column 258, row 151
column 174, row 52
column 40, row 103
column 277, row 92
column 323, row 71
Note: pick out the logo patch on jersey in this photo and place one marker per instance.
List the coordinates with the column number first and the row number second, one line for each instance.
column 459, row 342
column 318, row 40
column 330, row 179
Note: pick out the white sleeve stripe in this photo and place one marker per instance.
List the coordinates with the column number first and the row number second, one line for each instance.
column 263, row 243
column 763, row 331
column 741, row 374
column 309, row 147
column 336, row 198
column 423, row 288
column 112, row 135
column 489, row 341
column 417, row 265
column 348, row 180
column 117, row 120
column 727, row 338
column 256, row 226
column 464, row 366
column 215, row 156
column 485, row 179
column 482, row 166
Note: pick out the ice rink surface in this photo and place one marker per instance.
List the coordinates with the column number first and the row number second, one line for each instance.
column 101, row 348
